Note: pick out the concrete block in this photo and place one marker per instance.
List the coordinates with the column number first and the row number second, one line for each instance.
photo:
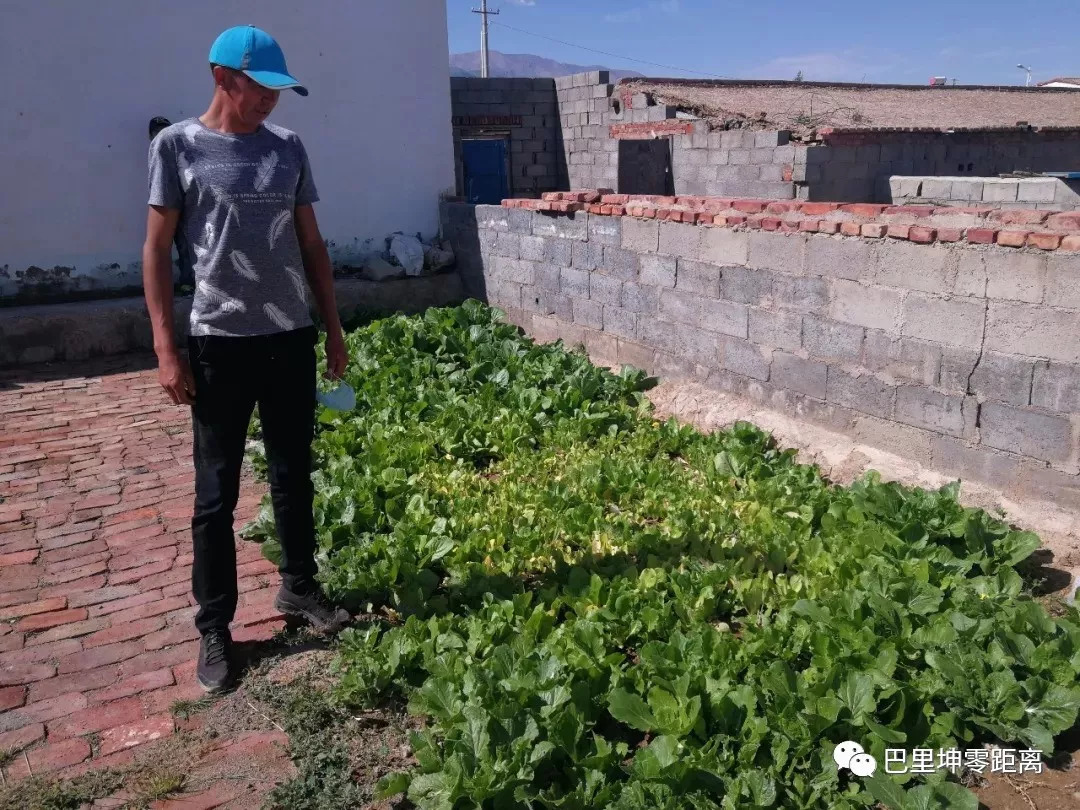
column 620, row 322
column 781, row 330
column 605, row 230
column 658, row 271
column 520, row 272
column 971, row 273
column 587, row 255
column 952, row 321
column 1015, row 276
column 964, row 460
column 724, row 246
column 680, row 307
column 547, row 276
column 746, row 358
column 831, row 340
column 1003, row 378
column 657, row 335
column 866, row 305
column 1000, row 191
column 838, row 257
column 632, row 353
column 622, row 264
column 508, row 245
column 547, row 302
column 574, row 283
column 746, row 286
column 934, row 188
column 723, row 317
column 642, row 298
column 760, row 157
column 558, row 252
column 932, row 410
column 605, row 289
column 695, row 344
column 588, row 313
column 493, row 217
column 810, row 295
column 602, row 348
column 519, row 221
column 640, row 235
column 1056, row 387
column 860, row 392
column 798, row 374
column 778, row 251
column 681, row 239
column 561, row 226
column 718, row 157
column 1063, row 280
column 698, row 277
column 914, row 266
column 1036, row 190
column 1039, row 434
column 907, row 358
column 1036, row 331
column 903, row 440
column 957, row 366
column 532, row 248
column 739, row 157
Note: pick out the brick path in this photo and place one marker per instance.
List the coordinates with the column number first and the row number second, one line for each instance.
column 96, row 635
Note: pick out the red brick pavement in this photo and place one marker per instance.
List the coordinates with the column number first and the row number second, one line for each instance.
column 96, row 634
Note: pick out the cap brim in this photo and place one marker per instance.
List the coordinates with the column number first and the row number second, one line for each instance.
column 276, row 81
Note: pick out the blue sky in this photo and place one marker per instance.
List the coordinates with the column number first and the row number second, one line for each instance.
column 974, row 41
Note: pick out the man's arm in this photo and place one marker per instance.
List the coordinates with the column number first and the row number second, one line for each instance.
column 174, row 373
column 320, row 276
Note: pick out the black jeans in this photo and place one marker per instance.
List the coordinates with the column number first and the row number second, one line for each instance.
column 232, row 374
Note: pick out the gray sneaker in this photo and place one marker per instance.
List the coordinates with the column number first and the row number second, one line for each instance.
column 314, row 608
column 215, row 670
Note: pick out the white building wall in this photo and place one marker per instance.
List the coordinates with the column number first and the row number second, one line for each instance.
column 90, row 76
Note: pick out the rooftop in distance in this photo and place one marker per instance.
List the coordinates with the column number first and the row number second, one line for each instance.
column 805, row 106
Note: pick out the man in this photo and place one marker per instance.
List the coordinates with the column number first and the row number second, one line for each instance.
column 241, row 191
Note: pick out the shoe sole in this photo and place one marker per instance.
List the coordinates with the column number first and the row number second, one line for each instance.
column 296, row 613
column 210, row 689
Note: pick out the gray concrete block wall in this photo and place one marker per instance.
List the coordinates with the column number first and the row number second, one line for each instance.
column 737, row 163
column 591, row 155
column 976, row 381
column 535, row 149
column 1047, row 193
column 858, row 168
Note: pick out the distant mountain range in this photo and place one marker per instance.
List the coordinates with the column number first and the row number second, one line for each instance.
column 523, row 65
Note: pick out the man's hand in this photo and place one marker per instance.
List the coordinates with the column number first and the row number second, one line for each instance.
column 336, row 355
column 174, row 374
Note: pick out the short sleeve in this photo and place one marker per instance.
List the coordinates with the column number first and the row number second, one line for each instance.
column 165, row 187
column 306, row 193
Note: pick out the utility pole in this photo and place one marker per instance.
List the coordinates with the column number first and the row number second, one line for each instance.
column 483, row 11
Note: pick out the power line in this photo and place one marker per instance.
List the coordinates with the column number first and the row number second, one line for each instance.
column 606, row 53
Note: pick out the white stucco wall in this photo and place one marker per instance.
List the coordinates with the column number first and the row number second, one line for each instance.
column 90, row 76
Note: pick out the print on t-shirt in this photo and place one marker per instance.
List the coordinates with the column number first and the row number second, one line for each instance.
column 236, row 195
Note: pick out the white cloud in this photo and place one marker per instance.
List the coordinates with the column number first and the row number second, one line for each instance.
column 852, row 65
column 524, row 2
column 632, row 15
column 638, row 14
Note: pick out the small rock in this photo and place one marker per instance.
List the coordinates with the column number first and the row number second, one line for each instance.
column 409, row 253
column 436, row 258
column 376, row 268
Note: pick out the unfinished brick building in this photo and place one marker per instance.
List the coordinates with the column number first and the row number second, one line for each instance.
column 771, row 140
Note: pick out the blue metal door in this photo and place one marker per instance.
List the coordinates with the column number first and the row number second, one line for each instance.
column 484, row 162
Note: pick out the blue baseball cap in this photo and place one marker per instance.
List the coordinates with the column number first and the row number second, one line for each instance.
column 255, row 53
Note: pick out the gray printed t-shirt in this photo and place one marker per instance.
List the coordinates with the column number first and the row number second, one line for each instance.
column 236, row 195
